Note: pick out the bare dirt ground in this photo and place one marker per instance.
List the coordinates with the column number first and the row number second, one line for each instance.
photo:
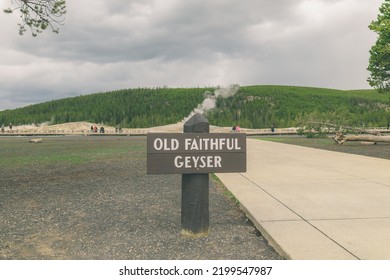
column 78, row 197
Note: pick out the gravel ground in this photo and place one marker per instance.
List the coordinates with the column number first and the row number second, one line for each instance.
column 90, row 198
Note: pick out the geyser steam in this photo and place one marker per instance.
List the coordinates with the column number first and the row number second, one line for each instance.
column 210, row 102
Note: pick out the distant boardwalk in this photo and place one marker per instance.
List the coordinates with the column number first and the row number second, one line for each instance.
column 84, row 128
column 139, row 131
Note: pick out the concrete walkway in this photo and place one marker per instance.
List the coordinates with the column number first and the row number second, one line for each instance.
column 316, row 204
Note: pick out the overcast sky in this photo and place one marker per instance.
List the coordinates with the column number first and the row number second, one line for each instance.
column 116, row 44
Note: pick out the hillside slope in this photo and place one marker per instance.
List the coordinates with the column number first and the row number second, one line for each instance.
column 286, row 106
column 251, row 107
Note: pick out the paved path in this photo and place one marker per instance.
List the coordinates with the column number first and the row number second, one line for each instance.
column 316, row 204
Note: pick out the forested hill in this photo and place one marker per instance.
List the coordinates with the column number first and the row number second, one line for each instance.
column 251, row 107
column 141, row 107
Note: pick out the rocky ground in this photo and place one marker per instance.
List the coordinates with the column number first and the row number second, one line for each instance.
column 90, row 198
column 84, row 197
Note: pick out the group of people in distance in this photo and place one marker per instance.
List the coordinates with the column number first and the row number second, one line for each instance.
column 2, row 127
column 95, row 129
column 236, row 128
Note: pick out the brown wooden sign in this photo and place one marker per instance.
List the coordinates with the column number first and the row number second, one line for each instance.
column 186, row 153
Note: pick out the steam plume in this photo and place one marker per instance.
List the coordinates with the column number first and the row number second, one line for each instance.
column 210, row 101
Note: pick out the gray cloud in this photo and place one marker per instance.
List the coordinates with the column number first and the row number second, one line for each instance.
column 107, row 45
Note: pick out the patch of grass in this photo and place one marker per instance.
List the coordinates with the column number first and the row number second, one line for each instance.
column 272, row 139
column 381, row 150
column 18, row 152
column 299, row 140
column 218, row 183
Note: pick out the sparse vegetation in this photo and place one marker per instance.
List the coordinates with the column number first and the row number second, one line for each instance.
column 218, row 183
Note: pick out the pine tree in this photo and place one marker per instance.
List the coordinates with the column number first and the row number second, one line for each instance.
column 379, row 62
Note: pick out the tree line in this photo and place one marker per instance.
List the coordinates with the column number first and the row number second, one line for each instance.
column 287, row 106
column 140, row 107
column 250, row 107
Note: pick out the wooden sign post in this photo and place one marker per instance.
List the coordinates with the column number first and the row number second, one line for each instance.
column 195, row 190
column 194, row 154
